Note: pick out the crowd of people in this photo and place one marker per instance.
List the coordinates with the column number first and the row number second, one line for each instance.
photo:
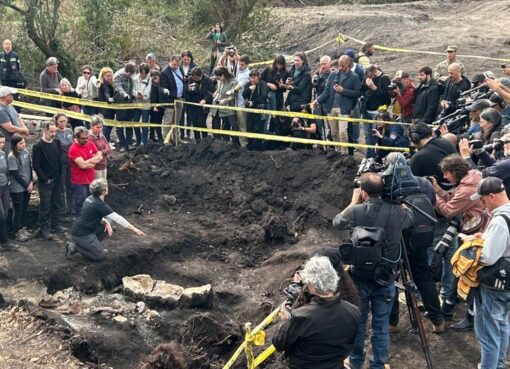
column 463, row 171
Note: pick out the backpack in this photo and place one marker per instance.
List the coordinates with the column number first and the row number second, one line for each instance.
column 466, row 265
column 365, row 252
column 497, row 276
column 399, row 181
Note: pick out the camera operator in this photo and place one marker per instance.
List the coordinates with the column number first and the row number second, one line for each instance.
column 320, row 334
column 319, row 83
column 303, row 128
column 229, row 59
column 454, row 86
column 255, row 97
column 473, row 219
column 392, row 135
column 475, row 109
column 402, row 90
column 374, row 88
column 426, row 97
column 340, row 95
column 502, row 107
column 493, row 168
column 366, row 209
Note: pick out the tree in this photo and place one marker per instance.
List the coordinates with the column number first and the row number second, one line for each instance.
column 41, row 19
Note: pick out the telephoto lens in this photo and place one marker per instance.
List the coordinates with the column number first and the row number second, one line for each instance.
column 451, row 232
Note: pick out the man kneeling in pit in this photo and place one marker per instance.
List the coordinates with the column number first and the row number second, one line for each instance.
column 93, row 224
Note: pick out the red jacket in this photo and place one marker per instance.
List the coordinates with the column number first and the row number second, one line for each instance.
column 406, row 101
column 102, row 145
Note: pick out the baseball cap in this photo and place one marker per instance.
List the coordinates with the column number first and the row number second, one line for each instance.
column 5, row 90
column 451, row 48
column 350, row 53
column 479, row 105
column 487, row 186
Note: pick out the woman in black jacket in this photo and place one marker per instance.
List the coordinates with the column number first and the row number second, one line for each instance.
column 187, row 65
column 199, row 90
column 255, row 95
column 156, row 133
column 299, row 83
column 106, row 95
column 490, row 123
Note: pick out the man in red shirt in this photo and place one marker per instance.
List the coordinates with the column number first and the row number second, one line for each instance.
column 83, row 156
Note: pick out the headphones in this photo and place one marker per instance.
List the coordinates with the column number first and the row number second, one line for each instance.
column 418, row 132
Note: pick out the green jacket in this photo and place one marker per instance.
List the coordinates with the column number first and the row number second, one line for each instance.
column 219, row 40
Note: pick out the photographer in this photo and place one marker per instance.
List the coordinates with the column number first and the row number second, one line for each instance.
column 340, row 96
column 473, row 219
column 388, row 135
column 299, row 83
column 454, row 86
column 199, row 90
column 229, row 59
column 493, row 168
column 502, row 107
column 255, row 96
column 402, row 90
column 475, row 109
column 368, row 209
column 320, row 334
column 303, row 128
column 319, row 84
column 225, row 96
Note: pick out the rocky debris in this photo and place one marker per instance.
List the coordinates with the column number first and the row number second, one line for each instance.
column 168, row 200
column 161, row 294
column 120, row 319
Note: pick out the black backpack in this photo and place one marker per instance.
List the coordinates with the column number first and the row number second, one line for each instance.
column 421, row 235
column 399, row 181
column 365, row 252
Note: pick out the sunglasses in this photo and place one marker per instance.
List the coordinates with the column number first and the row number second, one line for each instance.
column 86, row 72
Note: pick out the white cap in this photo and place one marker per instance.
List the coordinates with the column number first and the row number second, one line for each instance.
column 5, row 90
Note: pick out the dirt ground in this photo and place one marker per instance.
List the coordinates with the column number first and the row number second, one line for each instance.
column 241, row 221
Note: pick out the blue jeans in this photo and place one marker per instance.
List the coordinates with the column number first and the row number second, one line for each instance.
column 492, row 311
column 367, row 128
column 379, row 301
column 80, row 193
column 353, row 127
column 146, row 116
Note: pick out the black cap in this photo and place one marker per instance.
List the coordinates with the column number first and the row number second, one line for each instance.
column 479, row 105
column 487, row 186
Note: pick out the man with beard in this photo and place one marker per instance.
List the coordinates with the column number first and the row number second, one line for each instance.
column 426, row 97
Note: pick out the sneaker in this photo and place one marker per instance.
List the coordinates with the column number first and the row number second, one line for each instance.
column 46, row 235
column 8, row 246
column 465, row 325
column 58, row 229
column 22, row 236
column 70, row 248
column 438, row 328
column 448, row 311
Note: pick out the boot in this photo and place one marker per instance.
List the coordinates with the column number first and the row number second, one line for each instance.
column 448, row 311
column 465, row 325
column 45, row 234
column 70, row 249
column 8, row 246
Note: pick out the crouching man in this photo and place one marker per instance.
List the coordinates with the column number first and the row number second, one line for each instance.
column 93, row 224
column 321, row 333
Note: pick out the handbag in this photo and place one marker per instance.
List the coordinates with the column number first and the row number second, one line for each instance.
column 476, row 224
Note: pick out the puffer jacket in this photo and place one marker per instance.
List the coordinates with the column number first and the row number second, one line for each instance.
column 458, row 203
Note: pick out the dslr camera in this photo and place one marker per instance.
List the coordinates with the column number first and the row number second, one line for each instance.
column 394, row 85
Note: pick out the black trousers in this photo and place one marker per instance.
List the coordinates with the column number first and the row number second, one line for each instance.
column 20, row 209
column 124, row 138
column 422, row 277
column 155, row 133
column 197, row 118
column 227, row 123
column 50, row 205
column 254, row 124
column 4, row 211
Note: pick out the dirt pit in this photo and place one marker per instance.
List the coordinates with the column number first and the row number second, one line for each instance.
column 214, row 214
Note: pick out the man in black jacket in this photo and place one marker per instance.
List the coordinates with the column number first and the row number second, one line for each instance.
column 318, row 335
column 454, row 86
column 426, row 97
column 255, row 96
column 9, row 65
column 48, row 166
column 376, row 93
column 172, row 83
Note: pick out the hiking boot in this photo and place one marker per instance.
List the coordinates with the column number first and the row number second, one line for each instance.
column 438, row 328
column 393, row 328
column 45, row 234
column 448, row 311
column 70, row 249
column 58, row 229
column 8, row 246
column 465, row 325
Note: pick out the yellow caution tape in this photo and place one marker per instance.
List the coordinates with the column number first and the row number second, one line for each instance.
column 342, row 38
column 34, row 117
column 289, row 114
column 263, row 356
column 83, row 102
column 260, row 136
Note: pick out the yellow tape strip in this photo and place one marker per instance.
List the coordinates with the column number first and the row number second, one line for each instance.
column 83, row 102
column 34, row 117
column 263, row 356
column 342, row 38
column 289, row 114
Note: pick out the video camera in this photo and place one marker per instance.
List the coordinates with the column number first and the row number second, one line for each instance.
column 368, row 165
column 292, row 292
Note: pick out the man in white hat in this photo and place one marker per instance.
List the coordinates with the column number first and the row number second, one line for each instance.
column 10, row 121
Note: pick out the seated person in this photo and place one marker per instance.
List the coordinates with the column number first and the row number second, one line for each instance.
column 392, row 135
column 93, row 224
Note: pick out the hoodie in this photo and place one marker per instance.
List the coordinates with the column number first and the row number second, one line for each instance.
column 458, row 203
column 496, row 237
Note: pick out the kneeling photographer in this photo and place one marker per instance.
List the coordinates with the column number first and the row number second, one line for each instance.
column 303, row 128
column 492, row 167
column 321, row 333
column 375, row 275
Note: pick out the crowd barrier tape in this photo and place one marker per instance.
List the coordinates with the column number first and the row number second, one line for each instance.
column 289, row 114
column 34, row 117
column 342, row 38
column 93, row 103
column 254, row 337
column 268, row 137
